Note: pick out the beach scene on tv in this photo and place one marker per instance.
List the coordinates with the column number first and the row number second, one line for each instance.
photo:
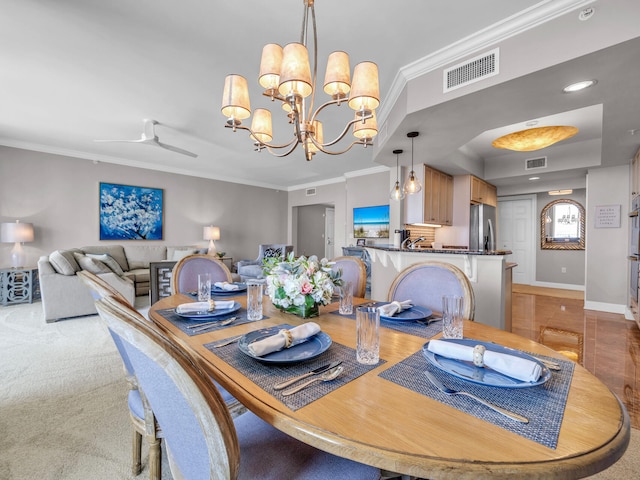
column 371, row 222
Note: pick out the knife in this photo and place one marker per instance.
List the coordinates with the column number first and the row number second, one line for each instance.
column 448, row 391
column 318, row 370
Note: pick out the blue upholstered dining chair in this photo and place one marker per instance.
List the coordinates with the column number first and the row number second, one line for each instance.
column 250, row 269
column 354, row 271
column 202, row 440
column 425, row 283
column 184, row 277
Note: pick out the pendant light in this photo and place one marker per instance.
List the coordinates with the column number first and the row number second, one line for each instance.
column 412, row 185
column 397, row 192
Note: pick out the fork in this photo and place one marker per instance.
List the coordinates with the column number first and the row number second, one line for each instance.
column 217, row 323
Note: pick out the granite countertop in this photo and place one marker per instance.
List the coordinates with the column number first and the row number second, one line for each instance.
column 447, row 250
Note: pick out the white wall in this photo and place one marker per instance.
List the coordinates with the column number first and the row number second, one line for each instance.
column 607, row 266
column 59, row 195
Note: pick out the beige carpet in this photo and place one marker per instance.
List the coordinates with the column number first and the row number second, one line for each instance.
column 63, row 413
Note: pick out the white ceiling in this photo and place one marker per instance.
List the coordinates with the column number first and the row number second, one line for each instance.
column 74, row 71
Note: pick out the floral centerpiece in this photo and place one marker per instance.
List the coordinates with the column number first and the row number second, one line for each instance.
column 300, row 285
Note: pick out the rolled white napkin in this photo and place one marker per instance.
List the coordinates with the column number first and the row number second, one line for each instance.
column 516, row 367
column 226, row 286
column 211, row 305
column 390, row 309
column 279, row 341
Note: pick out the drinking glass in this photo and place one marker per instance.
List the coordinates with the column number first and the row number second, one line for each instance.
column 368, row 335
column 346, row 298
column 452, row 321
column 204, row 287
column 254, row 300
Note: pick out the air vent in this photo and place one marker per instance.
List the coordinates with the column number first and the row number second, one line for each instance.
column 474, row 70
column 310, row 192
column 534, row 163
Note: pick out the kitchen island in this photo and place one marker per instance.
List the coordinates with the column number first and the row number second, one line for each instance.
column 487, row 271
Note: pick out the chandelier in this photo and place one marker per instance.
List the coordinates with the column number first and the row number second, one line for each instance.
column 286, row 76
column 534, row 138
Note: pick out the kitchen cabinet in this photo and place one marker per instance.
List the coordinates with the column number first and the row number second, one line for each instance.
column 437, row 197
column 483, row 192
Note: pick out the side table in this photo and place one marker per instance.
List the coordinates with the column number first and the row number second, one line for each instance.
column 19, row 285
column 160, row 280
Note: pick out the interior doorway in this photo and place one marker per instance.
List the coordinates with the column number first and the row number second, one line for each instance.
column 517, row 232
column 313, row 224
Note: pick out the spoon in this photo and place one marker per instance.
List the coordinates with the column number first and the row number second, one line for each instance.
column 325, row 377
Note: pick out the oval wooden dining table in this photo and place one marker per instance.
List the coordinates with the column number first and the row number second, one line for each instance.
column 381, row 423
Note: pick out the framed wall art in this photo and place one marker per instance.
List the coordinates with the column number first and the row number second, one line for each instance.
column 130, row 213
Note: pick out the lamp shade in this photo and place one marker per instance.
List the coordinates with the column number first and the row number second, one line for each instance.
column 261, row 126
column 270, row 64
column 366, row 130
column 16, row 232
column 235, row 98
column 318, row 134
column 337, row 79
column 365, row 89
column 211, row 233
column 295, row 73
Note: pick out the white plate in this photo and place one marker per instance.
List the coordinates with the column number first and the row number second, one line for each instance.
column 410, row 315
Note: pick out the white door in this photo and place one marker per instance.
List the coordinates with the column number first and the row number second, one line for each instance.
column 516, row 232
column 329, row 229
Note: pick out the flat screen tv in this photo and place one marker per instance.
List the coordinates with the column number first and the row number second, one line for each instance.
column 371, row 222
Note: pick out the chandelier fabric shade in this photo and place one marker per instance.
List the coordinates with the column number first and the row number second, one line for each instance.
column 288, row 75
column 235, row 98
column 534, row 138
column 337, row 79
column 295, row 73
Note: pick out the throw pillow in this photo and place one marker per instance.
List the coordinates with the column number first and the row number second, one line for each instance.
column 64, row 262
column 91, row 264
column 180, row 254
column 109, row 261
column 272, row 252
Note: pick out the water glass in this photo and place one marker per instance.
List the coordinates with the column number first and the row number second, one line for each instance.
column 452, row 321
column 254, row 300
column 204, row 287
column 368, row 335
column 346, row 298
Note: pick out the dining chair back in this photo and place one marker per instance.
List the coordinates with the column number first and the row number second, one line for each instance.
column 425, row 283
column 202, row 439
column 185, row 273
column 141, row 415
column 354, row 271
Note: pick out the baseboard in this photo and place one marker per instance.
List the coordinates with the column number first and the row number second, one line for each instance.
column 565, row 286
column 605, row 307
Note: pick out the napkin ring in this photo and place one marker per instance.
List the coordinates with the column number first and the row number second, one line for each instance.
column 478, row 355
column 288, row 338
column 212, row 305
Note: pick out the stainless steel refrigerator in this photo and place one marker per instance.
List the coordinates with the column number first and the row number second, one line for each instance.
column 482, row 231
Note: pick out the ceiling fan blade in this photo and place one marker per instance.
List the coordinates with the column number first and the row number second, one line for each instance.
column 140, row 140
column 176, row 149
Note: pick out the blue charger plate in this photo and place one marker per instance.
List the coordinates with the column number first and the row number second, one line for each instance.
column 307, row 350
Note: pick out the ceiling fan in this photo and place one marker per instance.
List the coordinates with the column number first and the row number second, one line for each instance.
column 150, row 138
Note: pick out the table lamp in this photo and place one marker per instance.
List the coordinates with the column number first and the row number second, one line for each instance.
column 211, row 233
column 17, row 233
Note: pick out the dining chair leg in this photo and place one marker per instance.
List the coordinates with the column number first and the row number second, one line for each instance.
column 136, row 465
column 155, row 459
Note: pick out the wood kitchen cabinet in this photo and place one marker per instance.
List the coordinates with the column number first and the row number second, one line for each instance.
column 635, row 175
column 483, row 192
column 438, row 197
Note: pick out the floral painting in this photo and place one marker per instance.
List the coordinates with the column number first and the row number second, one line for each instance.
column 130, row 213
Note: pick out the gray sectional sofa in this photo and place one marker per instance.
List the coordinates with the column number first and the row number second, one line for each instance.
column 125, row 267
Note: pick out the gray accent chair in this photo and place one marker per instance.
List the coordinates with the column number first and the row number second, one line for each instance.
column 252, row 269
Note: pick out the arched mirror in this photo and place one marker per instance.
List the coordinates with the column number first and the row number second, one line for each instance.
column 562, row 225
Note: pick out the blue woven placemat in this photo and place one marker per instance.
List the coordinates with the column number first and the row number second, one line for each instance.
column 182, row 323
column 412, row 328
column 267, row 375
column 543, row 405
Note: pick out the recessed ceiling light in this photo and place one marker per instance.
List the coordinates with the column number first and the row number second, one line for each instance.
column 534, row 178
column 576, row 87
